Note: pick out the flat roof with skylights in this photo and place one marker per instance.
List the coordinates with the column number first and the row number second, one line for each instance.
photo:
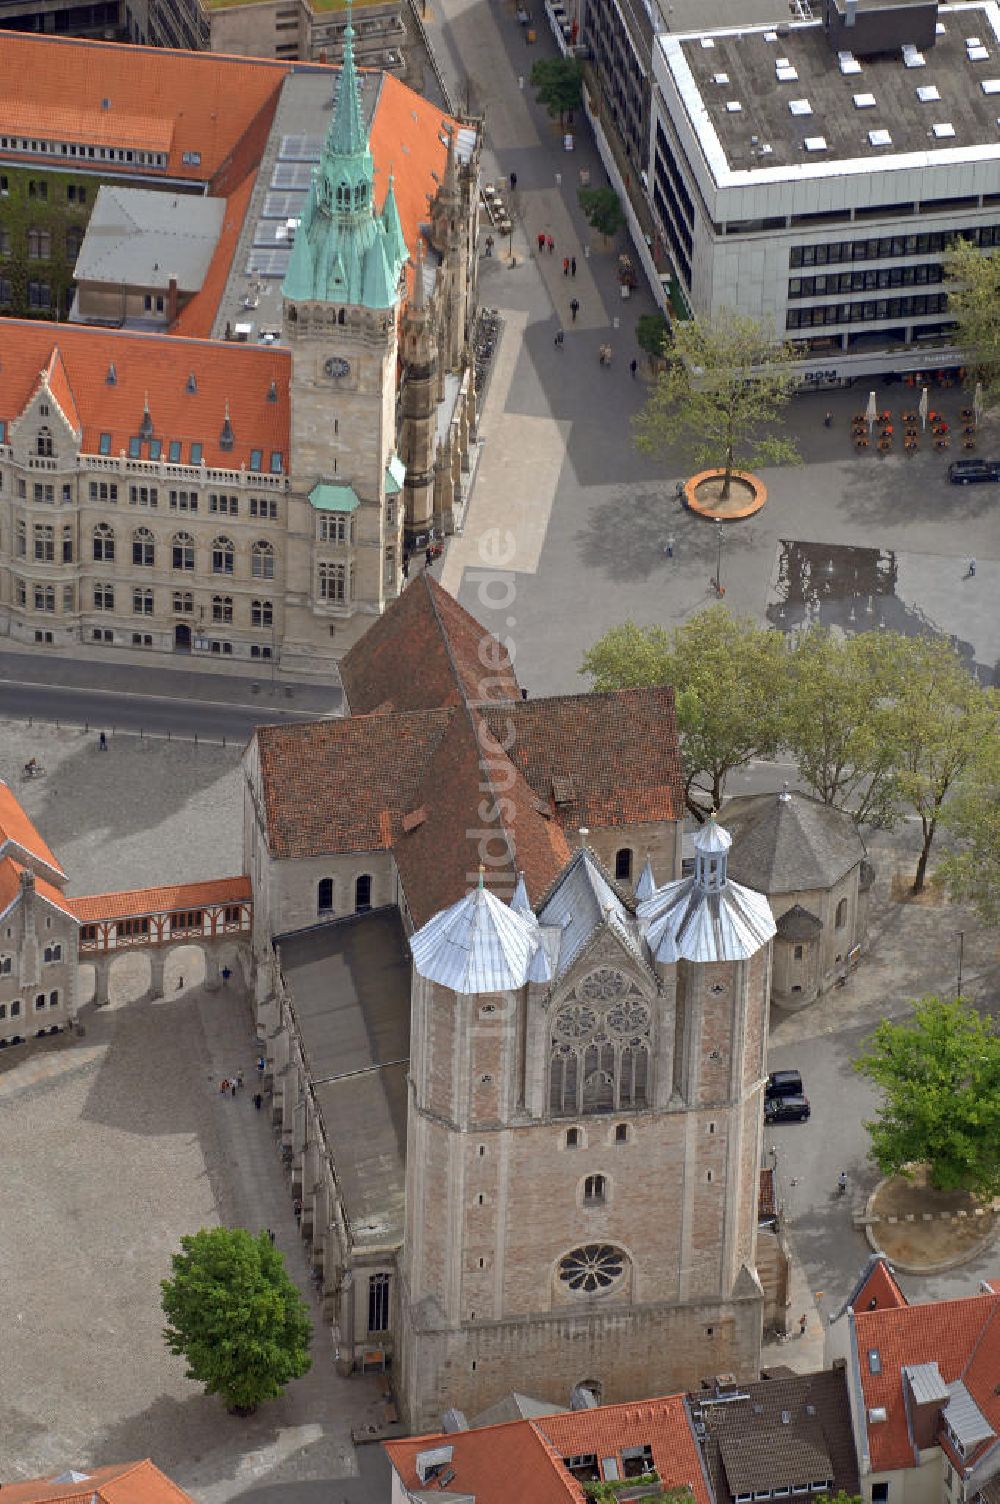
column 759, row 100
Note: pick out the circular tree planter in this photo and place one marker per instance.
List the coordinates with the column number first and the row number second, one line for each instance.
column 924, row 1231
column 703, row 495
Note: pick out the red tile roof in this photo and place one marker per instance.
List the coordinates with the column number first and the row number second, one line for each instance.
column 169, row 899
column 617, row 749
column 524, row 1459
column 146, row 98
column 961, row 1336
column 62, row 392
column 158, row 366
column 122, row 1483
column 424, row 652
column 198, row 315
column 406, row 139
column 10, row 886
column 879, row 1291
column 17, row 832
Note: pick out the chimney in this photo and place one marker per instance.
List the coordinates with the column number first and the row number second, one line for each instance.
column 171, row 302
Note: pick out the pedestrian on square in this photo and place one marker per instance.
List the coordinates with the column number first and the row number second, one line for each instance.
column 633, row 366
column 232, row 1088
column 541, row 241
column 271, row 1236
column 572, row 266
column 102, row 742
column 574, row 307
column 550, row 243
column 261, row 1062
column 558, row 341
column 258, row 1100
column 225, row 1085
column 513, row 181
column 226, row 974
column 297, row 1209
column 565, row 266
column 670, row 546
column 429, row 556
column 803, row 1323
column 971, row 570
column 180, row 984
column 239, row 1077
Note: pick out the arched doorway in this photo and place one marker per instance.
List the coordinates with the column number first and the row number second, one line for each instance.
column 182, row 637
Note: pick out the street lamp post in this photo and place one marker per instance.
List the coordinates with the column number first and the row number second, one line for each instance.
column 719, row 533
column 961, row 957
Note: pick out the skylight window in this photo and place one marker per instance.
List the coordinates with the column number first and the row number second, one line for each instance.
column 105, row 444
column 155, row 449
column 978, row 55
column 971, row 42
column 944, row 130
column 707, row 42
column 196, row 453
column 733, row 107
column 134, row 447
column 848, row 63
column 256, row 458
column 174, row 454
column 928, row 94
column 770, row 36
column 720, row 78
column 879, row 138
column 786, row 74
column 799, row 107
column 864, row 101
column 815, row 143
column 991, row 85
column 913, row 59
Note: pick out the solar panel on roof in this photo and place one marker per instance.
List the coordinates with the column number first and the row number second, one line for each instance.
column 786, row 75
column 283, row 205
column 944, row 130
column 262, row 263
column 991, row 85
column 879, row 138
column 928, row 94
column 864, row 101
column 300, row 148
column 273, row 235
column 291, row 175
column 799, row 107
column 815, row 143
column 978, row 55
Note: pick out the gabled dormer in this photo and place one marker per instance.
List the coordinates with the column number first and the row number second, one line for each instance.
column 48, row 431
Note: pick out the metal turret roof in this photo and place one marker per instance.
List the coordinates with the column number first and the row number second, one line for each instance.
column 706, row 917
column 477, row 945
column 646, row 886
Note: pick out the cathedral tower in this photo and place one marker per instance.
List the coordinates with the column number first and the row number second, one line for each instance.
column 341, row 302
column 419, row 430
column 586, row 1107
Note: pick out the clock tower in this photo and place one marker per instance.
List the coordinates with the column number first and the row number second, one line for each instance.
column 341, row 298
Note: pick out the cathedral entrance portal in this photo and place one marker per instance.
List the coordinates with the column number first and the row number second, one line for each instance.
column 182, row 638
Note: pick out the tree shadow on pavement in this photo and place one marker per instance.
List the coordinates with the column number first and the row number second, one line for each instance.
column 626, row 537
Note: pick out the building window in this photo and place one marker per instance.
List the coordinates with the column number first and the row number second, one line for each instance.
column 389, row 567
column 261, row 614
column 43, row 443
column 182, row 551
column 595, row 1190
column 363, row 894
column 378, row 1303
column 15, row 1008
column 38, row 188
column 6, row 292
column 104, row 543
column 223, row 556
column 21, row 538
column 39, row 1002
column 183, row 602
column 142, row 602
column 45, row 598
column 42, row 492
column 52, row 953
column 69, row 599
column 229, row 505
column 5, row 965
column 880, row 1493
column 264, row 506
column 334, row 528
column 797, row 953
column 621, row 1133
column 222, row 608
column 5, row 242
column 324, row 896
column 53, row 999
column 623, row 865
column 45, row 544
column 183, row 501
column 572, row 1138
column 262, row 560
column 333, row 582
column 841, row 917
column 143, row 548
column 39, row 245
column 143, row 496
column 104, row 490
column 104, row 597
column 39, row 295
column 592, row 1268
column 74, row 242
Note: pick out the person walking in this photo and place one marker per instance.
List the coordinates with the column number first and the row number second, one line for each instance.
column 633, row 366
column 558, row 341
column 572, row 266
column 261, row 1063
column 271, row 1236
column 239, row 1077
column 565, row 266
column 225, row 1085
column 670, row 546
column 541, row 241
column 232, row 1088
column 513, row 181
column 428, row 556
column 258, row 1100
column 574, row 307
column 180, row 984
column 970, row 573
column 550, row 243
column 803, row 1323
column 102, row 742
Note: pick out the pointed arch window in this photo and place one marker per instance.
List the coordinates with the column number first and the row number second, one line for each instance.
column 43, row 443
column 182, row 551
column 104, row 543
column 143, row 548
column 262, row 560
column 223, row 556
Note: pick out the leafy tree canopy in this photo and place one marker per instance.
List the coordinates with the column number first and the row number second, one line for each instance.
column 940, row 1074
column 971, row 870
column 721, row 396
column 652, row 331
column 236, row 1317
column 602, row 209
column 972, row 280
column 559, row 84
column 726, row 674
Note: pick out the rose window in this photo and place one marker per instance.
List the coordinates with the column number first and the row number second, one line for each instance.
column 596, row 1266
column 605, row 984
column 628, row 1017
column 576, row 1021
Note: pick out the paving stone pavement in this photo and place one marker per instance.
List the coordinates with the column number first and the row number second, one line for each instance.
column 125, row 1143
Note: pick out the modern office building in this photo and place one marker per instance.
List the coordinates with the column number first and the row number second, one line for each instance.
column 282, row 28
column 814, row 173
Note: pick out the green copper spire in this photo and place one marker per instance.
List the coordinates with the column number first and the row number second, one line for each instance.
column 344, row 252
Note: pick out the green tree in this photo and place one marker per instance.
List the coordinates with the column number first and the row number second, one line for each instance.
column 602, row 209
column 236, row 1317
column 972, row 281
column 652, row 332
column 726, row 674
column 720, row 396
column 938, row 722
column 940, row 1075
column 971, row 871
column 833, row 719
column 559, row 85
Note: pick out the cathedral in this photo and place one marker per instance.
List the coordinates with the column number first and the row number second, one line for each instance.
column 235, row 459
column 517, row 1057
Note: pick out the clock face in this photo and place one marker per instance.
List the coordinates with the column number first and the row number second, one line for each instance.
column 337, row 366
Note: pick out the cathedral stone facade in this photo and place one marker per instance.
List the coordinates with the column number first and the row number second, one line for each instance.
column 523, row 1111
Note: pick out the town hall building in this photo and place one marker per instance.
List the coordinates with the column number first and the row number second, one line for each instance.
column 522, row 1099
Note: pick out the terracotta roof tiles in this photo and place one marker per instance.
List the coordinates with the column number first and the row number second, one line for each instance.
column 497, row 1464
column 198, row 315
column 880, row 1290
column 17, row 832
column 158, row 365
column 122, row 1483
column 661, row 1424
column 10, row 887
column 170, row 898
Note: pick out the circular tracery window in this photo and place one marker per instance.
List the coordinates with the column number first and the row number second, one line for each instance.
column 596, row 1266
column 605, row 983
column 575, row 1021
column 628, row 1017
